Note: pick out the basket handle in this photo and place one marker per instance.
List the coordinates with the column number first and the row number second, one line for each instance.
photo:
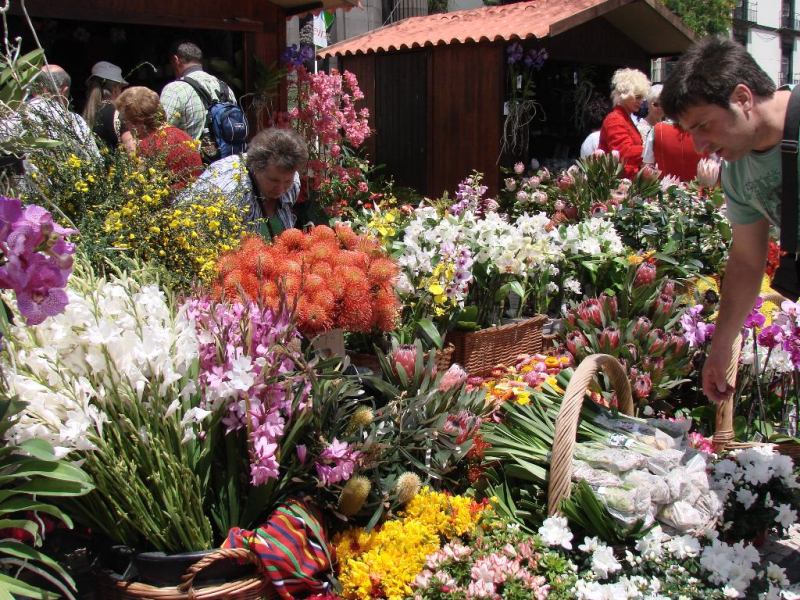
column 212, row 557
column 723, row 421
column 559, row 483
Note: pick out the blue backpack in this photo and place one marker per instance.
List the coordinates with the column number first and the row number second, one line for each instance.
column 225, row 130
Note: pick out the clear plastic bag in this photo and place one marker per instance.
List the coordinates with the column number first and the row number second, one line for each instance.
column 582, row 471
column 616, row 460
column 659, row 490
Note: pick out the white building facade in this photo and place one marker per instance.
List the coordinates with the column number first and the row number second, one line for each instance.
column 770, row 30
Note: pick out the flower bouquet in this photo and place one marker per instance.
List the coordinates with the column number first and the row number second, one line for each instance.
column 641, row 327
column 330, row 278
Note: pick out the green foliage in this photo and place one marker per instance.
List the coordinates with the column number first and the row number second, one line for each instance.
column 709, row 17
column 30, row 477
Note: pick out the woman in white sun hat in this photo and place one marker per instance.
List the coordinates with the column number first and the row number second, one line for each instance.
column 104, row 85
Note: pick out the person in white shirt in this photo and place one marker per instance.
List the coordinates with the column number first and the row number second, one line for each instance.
column 596, row 110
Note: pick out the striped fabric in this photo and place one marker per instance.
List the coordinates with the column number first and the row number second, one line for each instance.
column 293, row 549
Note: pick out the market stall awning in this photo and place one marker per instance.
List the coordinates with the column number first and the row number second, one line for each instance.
column 647, row 22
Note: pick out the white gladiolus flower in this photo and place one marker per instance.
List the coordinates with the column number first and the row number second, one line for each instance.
column 113, row 335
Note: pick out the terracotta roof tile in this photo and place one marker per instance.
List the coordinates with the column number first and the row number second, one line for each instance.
column 491, row 23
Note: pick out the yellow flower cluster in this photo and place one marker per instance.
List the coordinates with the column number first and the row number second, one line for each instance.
column 384, row 224
column 186, row 239
column 435, row 284
column 382, row 563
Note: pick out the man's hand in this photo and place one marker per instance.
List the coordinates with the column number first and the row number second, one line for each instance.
column 715, row 376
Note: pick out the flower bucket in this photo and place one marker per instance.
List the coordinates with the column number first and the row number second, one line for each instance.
column 329, row 343
column 480, row 351
column 444, row 358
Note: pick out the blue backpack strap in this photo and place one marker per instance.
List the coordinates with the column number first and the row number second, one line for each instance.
column 205, row 97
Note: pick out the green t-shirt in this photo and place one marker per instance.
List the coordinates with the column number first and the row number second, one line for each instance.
column 752, row 187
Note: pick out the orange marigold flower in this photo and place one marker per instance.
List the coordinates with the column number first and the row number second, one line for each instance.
column 355, row 316
column 322, row 233
column 293, row 240
column 322, row 251
column 239, row 282
column 382, row 270
column 323, row 269
column 324, row 297
column 347, row 237
column 312, row 283
column 352, row 258
column 312, row 317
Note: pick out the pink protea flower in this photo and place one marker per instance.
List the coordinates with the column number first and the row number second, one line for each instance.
column 663, row 304
column 642, row 326
column 609, row 339
column 591, row 312
column 642, row 386
column 707, row 172
column 511, row 184
column 576, row 342
column 405, row 357
column 645, row 274
column 454, row 377
column 598, row 209
column 519, row 168
column 657, row 341
column 565, row 182
column 649, row 173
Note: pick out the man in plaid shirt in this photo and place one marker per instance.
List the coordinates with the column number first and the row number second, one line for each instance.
column 183, row 106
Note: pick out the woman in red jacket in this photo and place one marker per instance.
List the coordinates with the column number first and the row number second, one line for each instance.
column 628, row 88
column 141, row 111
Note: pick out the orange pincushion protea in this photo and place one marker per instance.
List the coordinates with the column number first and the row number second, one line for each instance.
column 333, row 278
column 348, row 239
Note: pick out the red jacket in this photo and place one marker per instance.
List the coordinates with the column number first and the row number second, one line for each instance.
column 619, row 133
column 674, row 151
column 178, row 151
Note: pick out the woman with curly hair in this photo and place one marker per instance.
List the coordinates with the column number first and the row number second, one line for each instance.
column 143, row 115
column 629, row 87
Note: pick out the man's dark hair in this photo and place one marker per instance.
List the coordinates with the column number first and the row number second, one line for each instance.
column 187, row 51
column 282, row 148
column 708, row 73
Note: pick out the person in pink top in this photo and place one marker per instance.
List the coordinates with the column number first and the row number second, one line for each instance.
column 629, row 88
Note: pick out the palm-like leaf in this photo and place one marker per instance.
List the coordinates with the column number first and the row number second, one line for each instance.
column 29, row 471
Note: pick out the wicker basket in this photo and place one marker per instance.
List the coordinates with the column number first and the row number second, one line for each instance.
column 444, row 358
column 480, row 351
column 560, row 480
column 251, row 588
column 723, row 422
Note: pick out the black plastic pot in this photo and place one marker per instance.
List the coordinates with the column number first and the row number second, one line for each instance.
column 159, row 569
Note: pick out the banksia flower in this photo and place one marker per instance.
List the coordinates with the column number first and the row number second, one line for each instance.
column 407, row 486
column 361, row 418
column 353, row 495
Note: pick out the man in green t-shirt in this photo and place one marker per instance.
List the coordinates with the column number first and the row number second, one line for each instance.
column 731, row 107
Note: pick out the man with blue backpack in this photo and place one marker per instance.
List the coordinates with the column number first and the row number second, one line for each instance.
column 203, row 106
